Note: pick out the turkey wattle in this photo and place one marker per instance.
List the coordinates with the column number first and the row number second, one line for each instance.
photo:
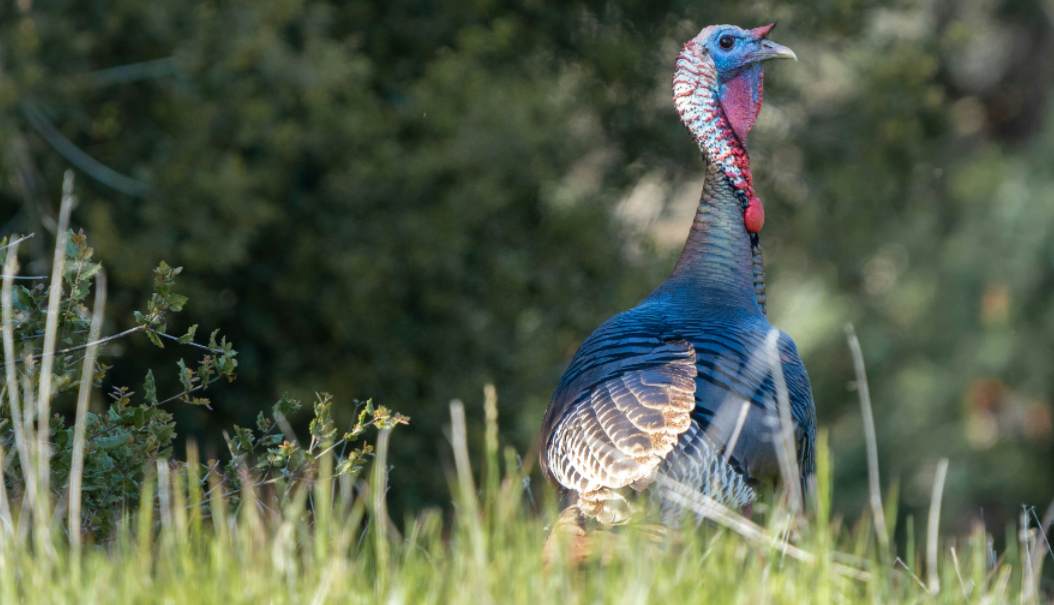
column 677, row 395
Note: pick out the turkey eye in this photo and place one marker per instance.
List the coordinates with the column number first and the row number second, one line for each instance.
column 726, row 41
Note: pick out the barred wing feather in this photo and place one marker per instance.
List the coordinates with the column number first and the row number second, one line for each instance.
column 618, row 430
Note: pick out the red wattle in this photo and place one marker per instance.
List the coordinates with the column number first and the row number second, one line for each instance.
column 754, row 216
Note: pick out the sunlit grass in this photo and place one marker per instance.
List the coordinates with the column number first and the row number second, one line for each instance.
column 326, row 544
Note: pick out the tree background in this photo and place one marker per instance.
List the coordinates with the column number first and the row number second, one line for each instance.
column 408, row 200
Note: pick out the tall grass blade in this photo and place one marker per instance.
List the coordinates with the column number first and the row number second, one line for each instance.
column 379, row 509
column 741, row 421
column 1026, row 542
column 874, row 483
column 786, row 449
column 708, row 508
column 933, row 583
column 1039, row 555
column 492, row 471
column 47, row 362
column 12, row 387
column 83, row 397
column 145, row 527
column 194, row 491
column 218, row 505
column 6, row 521
column 469, row 514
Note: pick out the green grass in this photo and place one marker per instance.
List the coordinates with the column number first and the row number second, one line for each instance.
column 324, row 545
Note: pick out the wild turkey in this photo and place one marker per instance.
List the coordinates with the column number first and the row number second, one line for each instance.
column 655, row 398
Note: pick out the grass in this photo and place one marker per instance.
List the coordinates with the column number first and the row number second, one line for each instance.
column 331, row 540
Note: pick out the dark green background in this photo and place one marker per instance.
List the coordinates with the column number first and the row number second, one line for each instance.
column 407, row 200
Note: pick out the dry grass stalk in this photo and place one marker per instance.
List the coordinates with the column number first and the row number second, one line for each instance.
column 870, row 440
column 22, row 440
column 1039, row 555
column 933, row 583
column 785, row 450
column 466, row 485
column 83, row 397
column 959, row 573
column 6, row 522
column 1029, row 581
column 708, row 508
column 51, row 326
column 741, row 421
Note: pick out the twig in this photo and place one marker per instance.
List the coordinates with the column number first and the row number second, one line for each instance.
column 131, row 72
column 189, row 343
column 91, row 343
column 83, row 395
column 933, row 527
column 15, row 243
column 78, row 157
column 200, row 387
column 129, row 332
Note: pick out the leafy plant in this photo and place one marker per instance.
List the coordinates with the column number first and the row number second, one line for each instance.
column 273, row 455
column 122, row 440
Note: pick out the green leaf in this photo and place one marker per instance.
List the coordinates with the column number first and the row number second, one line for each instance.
column 287, row 406
column 189, row 336
column 186, row 376
column 150, row 388
column 176, row 302
column 118, row 439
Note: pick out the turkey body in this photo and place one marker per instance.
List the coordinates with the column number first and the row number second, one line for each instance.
column 678, row 395
column 724, row 353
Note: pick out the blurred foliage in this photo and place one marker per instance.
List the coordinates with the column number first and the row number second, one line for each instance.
column 412, row 199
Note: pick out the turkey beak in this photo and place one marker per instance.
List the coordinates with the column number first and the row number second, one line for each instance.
column 767, row 49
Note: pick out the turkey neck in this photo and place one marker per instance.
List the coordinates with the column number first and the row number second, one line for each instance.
column 718, row 261
column 721, row 262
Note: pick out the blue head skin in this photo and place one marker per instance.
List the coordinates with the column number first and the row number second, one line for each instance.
column 733, row 48
column 717, row 90
column 737, row 55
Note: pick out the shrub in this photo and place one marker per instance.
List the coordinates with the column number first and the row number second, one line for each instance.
column 136, row 428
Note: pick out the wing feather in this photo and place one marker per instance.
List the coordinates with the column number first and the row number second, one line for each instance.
column 621, row 427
